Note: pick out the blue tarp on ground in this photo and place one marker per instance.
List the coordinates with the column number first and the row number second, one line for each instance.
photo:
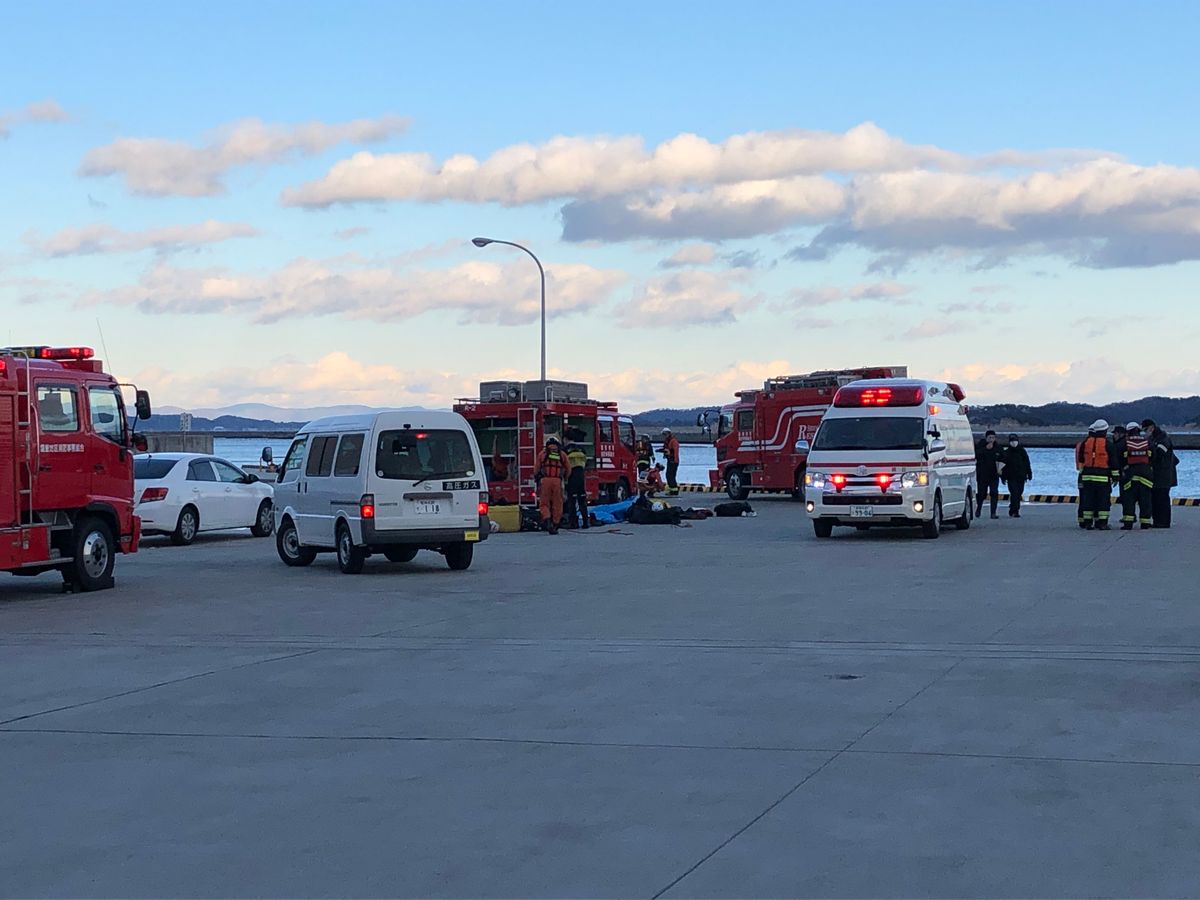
column 611, row 513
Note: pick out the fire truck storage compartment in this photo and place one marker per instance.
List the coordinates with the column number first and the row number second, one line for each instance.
column 9, row 476
column 517, row 391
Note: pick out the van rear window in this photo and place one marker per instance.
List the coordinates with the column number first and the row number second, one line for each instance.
column 871, row 433
column 414, row 454
column 152, row 469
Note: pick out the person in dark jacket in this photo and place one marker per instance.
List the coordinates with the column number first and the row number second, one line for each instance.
column 1017, row 472
column 576, row 508
column 1139, row 479
column 988, row 456
column 1165, row 463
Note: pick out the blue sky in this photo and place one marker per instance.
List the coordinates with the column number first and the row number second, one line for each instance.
column 266, row 203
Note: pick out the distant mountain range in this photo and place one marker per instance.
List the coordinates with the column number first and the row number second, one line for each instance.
column 1169, row 411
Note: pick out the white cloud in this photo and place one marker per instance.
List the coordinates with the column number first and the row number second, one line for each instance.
column 348, row 286
column 102, row 238
column 893, row 291
column 1093, row 380
column 689, row 297
column 160, row 167
column 38, row 111
column 691, row 255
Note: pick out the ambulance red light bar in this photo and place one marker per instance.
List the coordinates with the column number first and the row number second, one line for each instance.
column 899, row 395
column 67, row 353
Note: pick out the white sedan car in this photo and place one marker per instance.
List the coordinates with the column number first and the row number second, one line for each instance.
column 182, row 494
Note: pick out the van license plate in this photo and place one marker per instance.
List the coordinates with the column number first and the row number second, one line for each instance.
column 862, row 512
column 428, row 508
column 470, row 535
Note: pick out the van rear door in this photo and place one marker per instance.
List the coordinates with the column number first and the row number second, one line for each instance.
column 426, row 479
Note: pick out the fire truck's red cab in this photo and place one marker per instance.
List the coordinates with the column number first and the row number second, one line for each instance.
column 66, row 466
column 757, row 436
column 512, row 429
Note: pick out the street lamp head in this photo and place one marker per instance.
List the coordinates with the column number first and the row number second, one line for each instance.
column 481, row 242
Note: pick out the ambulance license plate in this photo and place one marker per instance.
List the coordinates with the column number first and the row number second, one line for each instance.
column 471, row 536
column 429, row 507
column 862, row 512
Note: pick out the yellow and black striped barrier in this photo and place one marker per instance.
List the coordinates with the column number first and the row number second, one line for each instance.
column 1029, row 498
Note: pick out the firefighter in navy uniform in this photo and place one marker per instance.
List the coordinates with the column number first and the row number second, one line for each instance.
column 1116, row 462
column 552, row 467
column 1165, row 476
column 577, row 504
column 1139, row 479
column 1095, row 474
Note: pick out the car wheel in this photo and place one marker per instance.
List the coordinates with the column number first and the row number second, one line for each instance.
column 350, row 558
column 735, row 484
column 963, row 522
column 823, row 528
column 400, row 554
column 264, row 523
column 459, row 556
column 933, row 528
column 291, row 551
column 187, row 527
column 94, row 555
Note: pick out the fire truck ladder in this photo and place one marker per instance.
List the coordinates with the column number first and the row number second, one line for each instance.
column 527, row 454
column 25, row 432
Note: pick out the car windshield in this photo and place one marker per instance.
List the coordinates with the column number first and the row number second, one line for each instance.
column 413, row 454
column 871, row 433
column 151, row 469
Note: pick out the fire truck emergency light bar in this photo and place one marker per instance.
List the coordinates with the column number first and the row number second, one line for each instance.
column 50, row 352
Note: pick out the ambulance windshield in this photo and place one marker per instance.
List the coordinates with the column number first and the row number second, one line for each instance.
column 871, row 433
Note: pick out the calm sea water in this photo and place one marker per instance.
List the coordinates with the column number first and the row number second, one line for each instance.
column 1053, row 469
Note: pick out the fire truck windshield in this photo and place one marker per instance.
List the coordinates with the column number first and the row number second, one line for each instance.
column 871, row 433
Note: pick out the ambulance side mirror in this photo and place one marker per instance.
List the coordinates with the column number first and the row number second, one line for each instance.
column 937, row 445
column 802, row 446
column 142, row 405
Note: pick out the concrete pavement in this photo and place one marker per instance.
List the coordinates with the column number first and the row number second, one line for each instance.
column 733, row 709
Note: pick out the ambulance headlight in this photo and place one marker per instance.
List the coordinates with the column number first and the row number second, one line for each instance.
column 914, row 479
column 815, row 480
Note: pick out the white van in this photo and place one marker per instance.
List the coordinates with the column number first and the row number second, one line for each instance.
column 391, row 482
column 892, row 451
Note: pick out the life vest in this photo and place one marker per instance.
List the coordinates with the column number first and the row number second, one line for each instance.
column 552, row 464
column 577, row 458
column 1137, row 451
column 1093, row 454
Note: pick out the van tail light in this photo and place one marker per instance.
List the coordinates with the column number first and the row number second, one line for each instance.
column 483, row 503
column 366, row 506
column 149, row 495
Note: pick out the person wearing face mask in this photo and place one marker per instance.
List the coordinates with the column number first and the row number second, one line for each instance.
column 1017, row 472
column 988, row 457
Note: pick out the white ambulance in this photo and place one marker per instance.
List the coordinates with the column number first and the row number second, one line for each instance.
column 391, row 482
column 892, row 451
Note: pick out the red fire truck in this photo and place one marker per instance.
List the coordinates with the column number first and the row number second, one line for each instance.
column 66, row 466
column 757, row 436
column 512, row 421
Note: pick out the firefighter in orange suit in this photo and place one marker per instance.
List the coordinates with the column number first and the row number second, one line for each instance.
column 552, row 469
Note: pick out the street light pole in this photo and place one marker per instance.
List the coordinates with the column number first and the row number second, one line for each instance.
column 483, row 242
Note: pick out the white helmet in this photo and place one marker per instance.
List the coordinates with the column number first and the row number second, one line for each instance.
column 1132, row 425
column 666, row 431
column 1100, row 425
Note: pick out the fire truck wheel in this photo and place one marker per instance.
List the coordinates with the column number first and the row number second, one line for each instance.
column 933, row 528
column 350, row 558
column 91, row 565
column 459, row 556
column 400, row 554
column 264, row 523
column 291, row 551
column 621, row 491
column 823, row 528
column 735, row 484
column 798, row 485
column 187, row 527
